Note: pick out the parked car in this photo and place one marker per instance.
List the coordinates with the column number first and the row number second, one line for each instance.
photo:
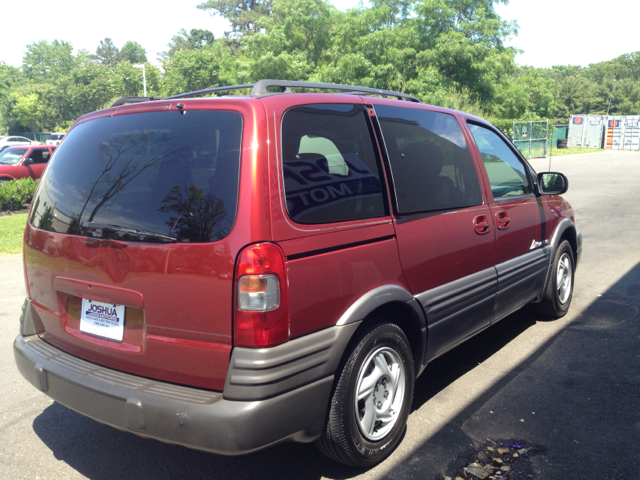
column 54, row 139
column 230, row 273
column 14, row 141
column 22, row 162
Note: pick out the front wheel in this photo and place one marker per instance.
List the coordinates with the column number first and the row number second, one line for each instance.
column 372, row 399
column 557, row 298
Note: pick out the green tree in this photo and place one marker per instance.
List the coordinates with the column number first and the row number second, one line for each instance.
column 29, row 111
column 197, row 69
column 107, row 53
column 184, row 40
column 244, row 15
column 47, row 62
column 133, row 52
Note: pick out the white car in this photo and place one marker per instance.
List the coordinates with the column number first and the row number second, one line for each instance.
column 55, row 139
column 6, row 142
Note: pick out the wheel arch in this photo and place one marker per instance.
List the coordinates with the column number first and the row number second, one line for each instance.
column 394, row 304
column 566, row 230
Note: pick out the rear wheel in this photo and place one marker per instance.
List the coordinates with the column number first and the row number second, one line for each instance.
column 372, row 398
column 557, row 297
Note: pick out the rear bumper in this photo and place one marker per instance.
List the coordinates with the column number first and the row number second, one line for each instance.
column 195, row 418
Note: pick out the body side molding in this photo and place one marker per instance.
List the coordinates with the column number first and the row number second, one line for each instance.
column 444, row 296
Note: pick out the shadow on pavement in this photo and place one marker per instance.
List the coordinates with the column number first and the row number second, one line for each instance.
column 578, row 395
column 582, row 385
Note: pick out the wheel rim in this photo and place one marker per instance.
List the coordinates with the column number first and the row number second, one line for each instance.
column 563, row 279
column 380, row 393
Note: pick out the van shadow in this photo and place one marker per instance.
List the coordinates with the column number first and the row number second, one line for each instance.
column 99, row 451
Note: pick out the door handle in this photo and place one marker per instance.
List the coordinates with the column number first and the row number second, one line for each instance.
column 502, row 220
column 481, row 224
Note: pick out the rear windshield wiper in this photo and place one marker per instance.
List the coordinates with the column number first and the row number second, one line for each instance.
column 134, row 231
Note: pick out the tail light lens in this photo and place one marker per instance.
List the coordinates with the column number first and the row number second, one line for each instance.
column 262, row 306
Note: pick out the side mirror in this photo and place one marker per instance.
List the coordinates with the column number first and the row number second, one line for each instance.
column 552, row 183
column 27, row 161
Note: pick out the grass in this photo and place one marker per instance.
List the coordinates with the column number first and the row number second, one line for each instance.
column 556, row 152
column 11, row 230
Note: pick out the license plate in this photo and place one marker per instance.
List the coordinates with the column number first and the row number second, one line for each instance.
column 102, row 319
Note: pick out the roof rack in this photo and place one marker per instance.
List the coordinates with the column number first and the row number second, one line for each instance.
column 261, row 89
column 124, row 100
column 209, row 90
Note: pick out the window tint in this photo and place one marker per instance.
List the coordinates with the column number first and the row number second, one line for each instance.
column 329, row 166
column 431, row 164
column 158, row 172
column 40, row 155
column 506, row 172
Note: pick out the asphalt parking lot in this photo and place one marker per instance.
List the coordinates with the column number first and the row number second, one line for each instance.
column 568, row 389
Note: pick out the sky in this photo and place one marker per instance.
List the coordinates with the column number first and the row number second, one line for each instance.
column 551, row 32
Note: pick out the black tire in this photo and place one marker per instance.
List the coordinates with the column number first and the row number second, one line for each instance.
column 557, row 297
column 344, row 438
column 562, row 143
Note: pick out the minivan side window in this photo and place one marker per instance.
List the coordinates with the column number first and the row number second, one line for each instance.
column 507, row 174
column 330, row 169
column 431, row 165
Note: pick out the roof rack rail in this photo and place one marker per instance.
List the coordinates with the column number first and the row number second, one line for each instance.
column 124, row 100
column 260, row 88
column 209, row 90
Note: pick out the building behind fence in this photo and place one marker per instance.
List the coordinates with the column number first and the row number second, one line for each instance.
column 613, row 132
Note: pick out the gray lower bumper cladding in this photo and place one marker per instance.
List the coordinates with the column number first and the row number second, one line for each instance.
column 195, row 418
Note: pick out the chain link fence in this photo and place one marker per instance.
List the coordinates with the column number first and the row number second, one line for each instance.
column 531, row 138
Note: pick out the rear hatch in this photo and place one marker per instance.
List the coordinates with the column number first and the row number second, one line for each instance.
column 128, row 253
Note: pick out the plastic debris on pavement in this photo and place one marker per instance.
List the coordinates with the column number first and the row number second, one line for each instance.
column 494, row 460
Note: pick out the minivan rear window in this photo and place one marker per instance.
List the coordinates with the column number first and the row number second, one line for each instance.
column 154, row 176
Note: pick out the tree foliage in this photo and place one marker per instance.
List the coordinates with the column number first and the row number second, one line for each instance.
column 445, row 52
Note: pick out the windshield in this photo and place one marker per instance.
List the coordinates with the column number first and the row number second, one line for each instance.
column 147, row 175
column 11, row 156
column 55, row 137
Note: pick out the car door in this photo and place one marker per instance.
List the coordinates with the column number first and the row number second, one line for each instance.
column 522, row 252
column 443, row 227
column 40, row 158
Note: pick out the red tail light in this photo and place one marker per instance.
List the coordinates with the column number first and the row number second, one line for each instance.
column 262, row 303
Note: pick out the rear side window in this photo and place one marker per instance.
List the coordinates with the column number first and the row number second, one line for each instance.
column 156, row 176
column 331, row 173
column 507, row 174
column 431, row 165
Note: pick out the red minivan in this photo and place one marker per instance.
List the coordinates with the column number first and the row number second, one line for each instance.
column 229, row 273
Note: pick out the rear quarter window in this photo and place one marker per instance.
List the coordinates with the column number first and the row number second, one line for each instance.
column 330, row 169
